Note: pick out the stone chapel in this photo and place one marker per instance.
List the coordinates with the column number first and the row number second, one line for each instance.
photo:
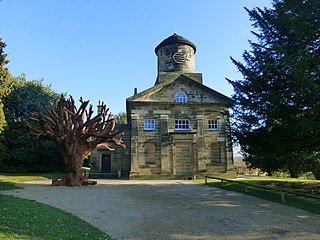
column 177, row 128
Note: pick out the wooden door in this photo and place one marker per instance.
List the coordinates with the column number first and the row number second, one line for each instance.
column 106, row 163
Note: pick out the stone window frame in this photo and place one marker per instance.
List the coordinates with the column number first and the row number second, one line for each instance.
column 182, row 124
column 181, row 97
column 213, row 124
column 149, row 124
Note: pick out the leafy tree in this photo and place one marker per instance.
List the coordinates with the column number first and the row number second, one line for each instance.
column 5, row 86
column 121, row 118
column 313, row 164
column 276, row 104
column 6, row 81
column 23, row 152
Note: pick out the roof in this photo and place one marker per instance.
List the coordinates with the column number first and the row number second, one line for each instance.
column 175, row 38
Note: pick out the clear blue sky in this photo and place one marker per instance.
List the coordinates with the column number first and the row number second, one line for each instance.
column 103, row 49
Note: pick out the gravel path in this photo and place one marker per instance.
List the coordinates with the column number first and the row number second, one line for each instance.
column 138, row 210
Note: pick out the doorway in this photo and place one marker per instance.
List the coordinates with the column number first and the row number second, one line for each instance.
column 106, row 163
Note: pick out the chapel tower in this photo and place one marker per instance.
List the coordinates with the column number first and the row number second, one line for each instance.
column 176, row 56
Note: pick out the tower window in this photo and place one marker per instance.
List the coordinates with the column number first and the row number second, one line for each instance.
column 182, row 124
column 213, row 125
column 149, row 124
column 181, row 97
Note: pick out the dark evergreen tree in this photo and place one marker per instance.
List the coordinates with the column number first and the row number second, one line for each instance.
column 276, row 104
column 23, row 152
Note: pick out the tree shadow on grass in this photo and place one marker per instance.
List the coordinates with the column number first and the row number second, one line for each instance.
column 7, row 185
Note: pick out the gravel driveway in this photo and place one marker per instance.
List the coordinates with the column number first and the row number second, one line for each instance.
column 183, row 210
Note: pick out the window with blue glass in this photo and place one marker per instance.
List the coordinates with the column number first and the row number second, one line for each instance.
column 149, row 124
column 181, row 97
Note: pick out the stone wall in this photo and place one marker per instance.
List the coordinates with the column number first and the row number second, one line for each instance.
column 176, row 57
column 179, row 152
column 120, row 158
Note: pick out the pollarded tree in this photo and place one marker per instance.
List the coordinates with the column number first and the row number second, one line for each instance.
column 278, row 97
column 77, row 133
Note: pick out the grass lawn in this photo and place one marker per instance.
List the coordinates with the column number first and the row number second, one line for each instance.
column 25, row 219
column 291, row 192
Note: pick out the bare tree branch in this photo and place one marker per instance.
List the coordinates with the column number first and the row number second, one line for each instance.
column 71, row 129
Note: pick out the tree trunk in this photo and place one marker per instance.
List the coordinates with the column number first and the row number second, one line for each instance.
column 77, row 133
column 75, row 176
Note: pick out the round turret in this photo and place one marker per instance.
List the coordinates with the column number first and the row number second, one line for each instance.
column 176, row 54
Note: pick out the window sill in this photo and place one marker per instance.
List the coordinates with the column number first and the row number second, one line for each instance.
column 149, row 166
column 182, row 131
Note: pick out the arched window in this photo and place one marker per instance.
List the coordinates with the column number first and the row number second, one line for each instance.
column 181, row 97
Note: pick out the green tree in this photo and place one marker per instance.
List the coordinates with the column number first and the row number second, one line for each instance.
column 121, row 118
column 276, row 104
column 23, row 152
column 6, row 81
column 5, row 86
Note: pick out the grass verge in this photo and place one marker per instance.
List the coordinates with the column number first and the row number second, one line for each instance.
column 25, row 219
column 293, row 193
column 8, row 181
